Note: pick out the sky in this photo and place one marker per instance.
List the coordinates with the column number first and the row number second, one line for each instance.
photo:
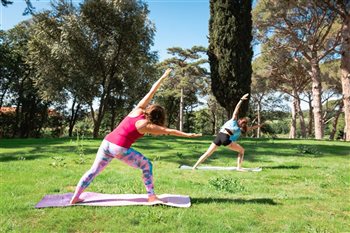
column 182, row 23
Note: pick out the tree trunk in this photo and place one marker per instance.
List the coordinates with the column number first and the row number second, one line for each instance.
column 102, row 107
column 98, row 121
column 311, row 117
column 345, row 74
column 316, row 98
column 181, row 109
column 335, row 122
column 213, row 131
column 95, row 127
column 301, row 118
column 73, row 118
column 292, row 131
column 113, row 116
column 258, row 131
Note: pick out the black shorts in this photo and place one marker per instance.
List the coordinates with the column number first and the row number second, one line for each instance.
column 222, row 139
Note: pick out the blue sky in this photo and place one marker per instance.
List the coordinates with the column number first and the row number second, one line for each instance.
column 182, row 23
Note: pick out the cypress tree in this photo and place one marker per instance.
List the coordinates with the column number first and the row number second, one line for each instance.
column 230, row 51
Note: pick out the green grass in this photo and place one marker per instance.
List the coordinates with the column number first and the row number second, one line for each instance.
column 304, row 187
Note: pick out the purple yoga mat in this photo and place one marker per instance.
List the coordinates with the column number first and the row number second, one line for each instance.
column 100, row 199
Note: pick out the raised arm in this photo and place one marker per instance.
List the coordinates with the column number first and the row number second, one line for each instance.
column 148, row 97
column 236, row 111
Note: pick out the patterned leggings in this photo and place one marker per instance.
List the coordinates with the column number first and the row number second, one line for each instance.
column 105, row 154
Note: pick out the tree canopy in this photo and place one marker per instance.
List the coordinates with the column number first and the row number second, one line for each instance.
column 230, row 51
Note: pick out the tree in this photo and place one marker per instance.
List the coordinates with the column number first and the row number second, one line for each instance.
column 260, row 88
column 89, row 51
column 330, row 74
column 53, row 77
column 188, row 75
column 217, row 114
column 31, row 111
column 230, row 52
column 307, row 30
column 7, row 67
column 342, row 9
column 126, row 92
column 287, row 76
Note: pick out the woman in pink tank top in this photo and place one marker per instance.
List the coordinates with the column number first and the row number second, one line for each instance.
column 143, row 119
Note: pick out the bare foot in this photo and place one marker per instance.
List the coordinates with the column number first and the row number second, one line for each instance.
column 75, row 200
column 154, row 198
column 240, row 169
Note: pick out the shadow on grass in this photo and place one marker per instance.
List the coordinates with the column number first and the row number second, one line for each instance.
column 178, row 150
column 23, row 142
column 46, row 152
column 282, row 167
column 8, row 158
column 256, row 150
column 262, row 201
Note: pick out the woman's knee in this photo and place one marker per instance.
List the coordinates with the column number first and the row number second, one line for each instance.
column 146, row 164
column 146, row 167
column 241, row 150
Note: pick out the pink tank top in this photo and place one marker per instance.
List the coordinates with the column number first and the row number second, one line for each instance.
column 126, row 133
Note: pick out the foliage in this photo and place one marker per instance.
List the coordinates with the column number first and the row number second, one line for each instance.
column 330, row 71
column 99, row 51
column 230, row 52
column 179, row 93
column 18, row 86
column 58, row 162
column 306, row 32
column 202, row 123
column 80, row 149
column 84, row 127
column 7, row 121
column 303, row 150
column 280, row 126
column 226, row 184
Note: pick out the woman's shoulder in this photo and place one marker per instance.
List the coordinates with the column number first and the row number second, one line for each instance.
column 136, row 112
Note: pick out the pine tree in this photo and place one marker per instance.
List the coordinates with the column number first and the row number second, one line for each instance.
column 230, row 52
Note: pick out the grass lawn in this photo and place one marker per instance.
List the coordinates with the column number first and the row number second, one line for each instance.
column 304, row 187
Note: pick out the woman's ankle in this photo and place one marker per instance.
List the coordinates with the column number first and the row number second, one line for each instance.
column 75, row 200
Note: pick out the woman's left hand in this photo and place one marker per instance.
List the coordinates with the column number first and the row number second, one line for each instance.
column 245, row 97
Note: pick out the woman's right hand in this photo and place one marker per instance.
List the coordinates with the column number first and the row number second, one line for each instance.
column 167, row 72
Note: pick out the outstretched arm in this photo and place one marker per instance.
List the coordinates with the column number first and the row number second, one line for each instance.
column 160, row 130
column 235, row 112
column 255, row 127
column 145, row 100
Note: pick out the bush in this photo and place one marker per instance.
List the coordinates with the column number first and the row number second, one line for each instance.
column 226, row 184
column 280, row 126
column 7, row 122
